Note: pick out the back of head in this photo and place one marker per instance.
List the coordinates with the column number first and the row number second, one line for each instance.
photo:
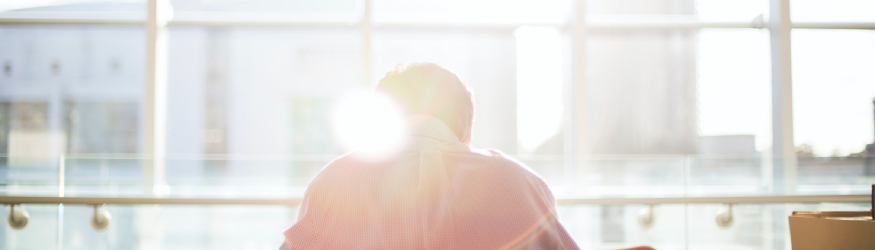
column 429, row 89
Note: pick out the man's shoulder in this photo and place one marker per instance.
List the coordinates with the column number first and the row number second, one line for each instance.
column 338, row 168
column 495, row 173
column 355, row 166
column 489, row 161
column 494, row 160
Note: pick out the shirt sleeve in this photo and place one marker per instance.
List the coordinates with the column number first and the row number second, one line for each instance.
column 558, row 237
column 551, row 234
column 302, row 233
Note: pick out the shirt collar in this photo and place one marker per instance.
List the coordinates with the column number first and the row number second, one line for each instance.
column 430, row 127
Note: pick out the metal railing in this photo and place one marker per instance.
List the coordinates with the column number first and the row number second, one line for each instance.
column 18, row 218
column 10, row 200
column 717, row 200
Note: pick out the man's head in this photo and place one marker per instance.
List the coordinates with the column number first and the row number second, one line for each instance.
column 429, row 89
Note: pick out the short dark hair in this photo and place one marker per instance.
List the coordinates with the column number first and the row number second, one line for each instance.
column 429, row 89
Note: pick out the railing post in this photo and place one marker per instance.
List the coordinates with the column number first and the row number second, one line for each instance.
column 61, row 173
column 61, row 183
column 686, row 164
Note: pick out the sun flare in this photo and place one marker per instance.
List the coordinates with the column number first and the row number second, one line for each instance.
column 370, row 124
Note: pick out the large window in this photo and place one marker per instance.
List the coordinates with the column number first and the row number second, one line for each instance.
column 616, row 98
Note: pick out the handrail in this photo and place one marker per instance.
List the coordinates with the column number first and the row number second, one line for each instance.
column 718, row 199
column 562, row 201
column 18, row 218
column 144, row 201
column 329, row 157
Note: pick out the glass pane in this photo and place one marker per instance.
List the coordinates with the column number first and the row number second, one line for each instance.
column 252, row 107
column 479, row 11
column 73, row 90
column 102, row 127
column 297, row 10
column 744, row 10
column 92, row 6
column 832, row 10
column 262, row 6
column 627, row 176
column 616, row 226
column 150, row 227
column 833, row 91
column 34, row 176
column 41, row 231
column 835, row 175
column 662, row 106
column 658, row 92
column 693, row 226
column 639, row 94
column 229, row 10
column 734, row 116
column 642, row 7
column 221, row 176
column 734, row 88
column 101, row 176
column 258, row 91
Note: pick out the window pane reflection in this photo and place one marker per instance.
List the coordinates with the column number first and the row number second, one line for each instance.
column 833, row 90
column 69, row 89
column 832, row 10
column 478, row 11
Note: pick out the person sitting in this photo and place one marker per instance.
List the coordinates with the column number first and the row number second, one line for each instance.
column 436, row 192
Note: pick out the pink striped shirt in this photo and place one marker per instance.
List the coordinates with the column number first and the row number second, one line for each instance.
column 437, row 193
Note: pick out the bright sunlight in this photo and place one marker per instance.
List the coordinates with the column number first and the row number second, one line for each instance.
column 369, row 124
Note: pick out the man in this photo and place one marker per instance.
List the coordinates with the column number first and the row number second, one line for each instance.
column 437, row 192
